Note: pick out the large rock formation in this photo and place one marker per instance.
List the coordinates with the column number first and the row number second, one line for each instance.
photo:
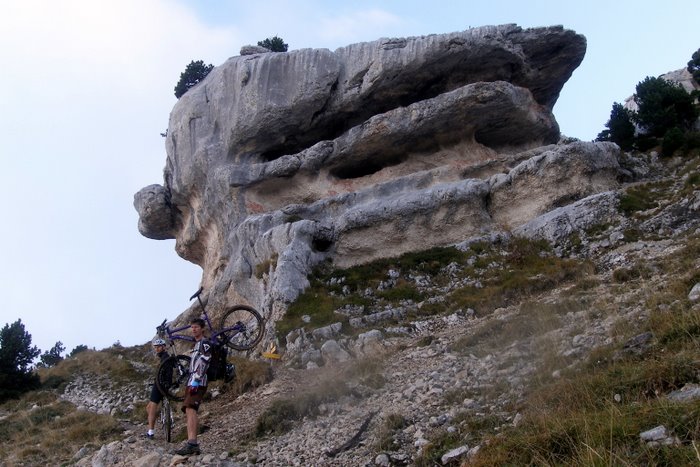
column 279, row 161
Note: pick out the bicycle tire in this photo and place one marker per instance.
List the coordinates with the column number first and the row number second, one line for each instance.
column 242, row 327
column 166, row 414
column 172, row 377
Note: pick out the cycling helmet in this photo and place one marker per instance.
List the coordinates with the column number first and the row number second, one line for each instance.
column 158, row 341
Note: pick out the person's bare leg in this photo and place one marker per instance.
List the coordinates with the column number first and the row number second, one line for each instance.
column 192, row 422
column 152, row 410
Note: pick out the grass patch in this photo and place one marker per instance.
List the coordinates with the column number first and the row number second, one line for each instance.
column 333, row 289
column 391, row 425
column 496, row 275
column 608, row 435
column 636, row 271
column 636, row 199
column 526, row 272
column 51, row 433
column 402, row 291
column 109, row 362
column 315, row 302
column 250, row 374
column 575, row 420
column 264, row 267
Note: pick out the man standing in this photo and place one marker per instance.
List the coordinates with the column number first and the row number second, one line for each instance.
column 156, row 396
column 196, row 385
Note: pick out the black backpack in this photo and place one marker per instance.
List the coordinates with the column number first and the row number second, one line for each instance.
column 217, row 363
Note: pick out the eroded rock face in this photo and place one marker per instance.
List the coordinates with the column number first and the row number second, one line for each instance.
column 279, row 161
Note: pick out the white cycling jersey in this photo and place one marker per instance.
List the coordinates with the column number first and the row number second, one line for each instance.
column 200, row 358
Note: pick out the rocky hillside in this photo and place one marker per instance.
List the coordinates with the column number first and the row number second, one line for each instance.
column 504, row 349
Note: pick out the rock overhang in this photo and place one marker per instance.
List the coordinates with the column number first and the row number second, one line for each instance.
column 369, row 151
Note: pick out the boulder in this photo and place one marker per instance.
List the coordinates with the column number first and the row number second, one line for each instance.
column 282, row 161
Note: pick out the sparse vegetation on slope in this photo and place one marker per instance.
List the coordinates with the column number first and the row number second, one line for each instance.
column 489, row 277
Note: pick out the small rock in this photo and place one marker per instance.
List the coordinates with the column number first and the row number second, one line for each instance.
column 333, row 353
column 178, row 459
column 454, row 454
column 687, row 393
column 382, row 459
column 253, row 50
column 82, row 452
column 517, row 419
column 420, row 442
column 694, row 294
column 152, row 458
column 638, row 344
column 655, row 434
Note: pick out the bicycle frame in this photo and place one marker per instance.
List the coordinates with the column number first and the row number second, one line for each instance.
column 172, row 334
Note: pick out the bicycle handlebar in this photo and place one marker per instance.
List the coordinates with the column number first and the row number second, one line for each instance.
column 160, row 329
column 196, row 294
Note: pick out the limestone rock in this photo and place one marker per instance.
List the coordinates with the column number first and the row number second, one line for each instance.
column 332, row 352
column 156, row 214
column 694, row 294
column 253, row 49
column 454, row 455
column 280, row 161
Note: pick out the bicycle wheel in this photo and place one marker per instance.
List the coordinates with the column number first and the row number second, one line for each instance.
column 166, row 417
column 172, row 377
column 242, row 327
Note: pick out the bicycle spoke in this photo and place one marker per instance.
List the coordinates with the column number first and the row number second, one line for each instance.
column 172, row 377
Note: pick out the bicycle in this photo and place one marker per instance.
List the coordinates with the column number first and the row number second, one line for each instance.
column 241, row 329
column 166, row 418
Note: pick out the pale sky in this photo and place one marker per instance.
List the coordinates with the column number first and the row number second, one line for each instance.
column 87, row 86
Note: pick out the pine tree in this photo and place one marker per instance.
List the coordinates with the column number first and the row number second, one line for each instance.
column 275, row 44
column 663, row 105
column 694, row 66
column 620, row 129
column 52, row 357
column 16, row 356
column 195, row 72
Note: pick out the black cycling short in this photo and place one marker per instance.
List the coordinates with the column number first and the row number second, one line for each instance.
column 156, row 395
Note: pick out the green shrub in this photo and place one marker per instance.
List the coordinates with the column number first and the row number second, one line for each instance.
column 692, row 140
column 636, row 199
column 673, row 140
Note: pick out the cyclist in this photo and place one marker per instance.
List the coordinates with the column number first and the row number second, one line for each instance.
column 156, row 396
column 196, row 385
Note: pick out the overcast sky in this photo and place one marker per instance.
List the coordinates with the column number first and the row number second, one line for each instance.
column 86, row 88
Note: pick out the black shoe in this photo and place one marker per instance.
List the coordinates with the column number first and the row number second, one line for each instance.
column 188, row 450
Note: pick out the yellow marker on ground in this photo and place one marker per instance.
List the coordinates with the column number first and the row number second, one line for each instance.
column 272, row 352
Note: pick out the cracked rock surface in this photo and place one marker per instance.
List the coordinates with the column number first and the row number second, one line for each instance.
column 277, row 162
